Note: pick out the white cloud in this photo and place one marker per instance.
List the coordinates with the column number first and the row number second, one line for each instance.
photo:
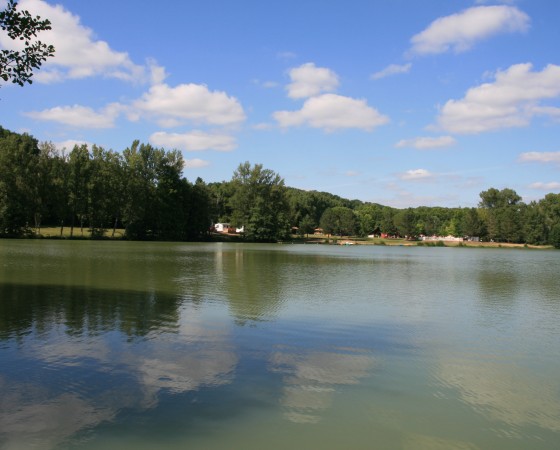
column 416, row 175
column 501, row 395
column 168, row 106
column 195, row 163
column 286, row 55
column 423, row 143
column 79, row 116
column 157, row 72
column 194, row 141
column 309, row 80
column 508, row 2
column 270, row 84
column 393, row 69
column 331, row 112
column 172, row 106
column 552, row 186
column 265, row 84
column 550, row 111
column 68, row 145
column 459, row 32
column 403, row 198
column 263, row 126
column 77, row 53
column 511, row 101
column 542, row 157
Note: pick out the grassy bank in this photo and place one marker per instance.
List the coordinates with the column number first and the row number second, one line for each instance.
column 79, row 233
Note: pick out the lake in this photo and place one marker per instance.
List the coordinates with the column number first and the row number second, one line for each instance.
column 123, row 345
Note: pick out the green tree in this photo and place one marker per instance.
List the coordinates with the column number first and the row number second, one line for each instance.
column 534, row 224
column 78, row 184
column 554, row 236
column 306, row 226
column 198, row 219
column 140, row 190
column 472, row 223
column 454, row 226
column 549, row 208
column 45, row 196
column 502, row 214
column 104, row 190
column 338, row 220
column 159, row 203
column 18, row 182
column 59, row 210
column 369, row 217
column 17, row 65
column 388, row 222
column 510, row 227
column 405, row 221
column 219, row 198
column 171, row 197
column 259, row 203
column 313, row 204
column 493, row 198
column 116, row 187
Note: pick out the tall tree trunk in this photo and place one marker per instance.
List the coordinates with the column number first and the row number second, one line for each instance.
column 37, row 218
column 72, row 224
column 115, row 226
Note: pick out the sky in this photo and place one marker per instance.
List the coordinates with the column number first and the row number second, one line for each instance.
column 404, row 103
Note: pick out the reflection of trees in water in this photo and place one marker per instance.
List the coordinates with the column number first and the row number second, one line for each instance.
column 257, row 282
column 498, row 295
column 497, row 285
column 311, row 379
column 83, row 310
column 505, row 288
column 252, row 281
column 75, row 383
column 519, row 275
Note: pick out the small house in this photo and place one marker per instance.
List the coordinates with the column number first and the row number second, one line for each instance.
column 222, row 227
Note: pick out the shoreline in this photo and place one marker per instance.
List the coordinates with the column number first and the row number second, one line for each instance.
column 324, row 240
column 54, row 234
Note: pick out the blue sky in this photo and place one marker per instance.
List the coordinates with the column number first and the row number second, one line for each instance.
column 401, row 102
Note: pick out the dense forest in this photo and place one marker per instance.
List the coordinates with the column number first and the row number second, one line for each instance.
column 142, row 191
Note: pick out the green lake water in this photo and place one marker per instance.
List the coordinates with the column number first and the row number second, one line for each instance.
column 119, row 345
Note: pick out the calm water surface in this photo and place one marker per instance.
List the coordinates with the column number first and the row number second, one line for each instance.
column 117, row 345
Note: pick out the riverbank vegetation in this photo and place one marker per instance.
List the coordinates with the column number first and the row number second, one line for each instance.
column 140, row 194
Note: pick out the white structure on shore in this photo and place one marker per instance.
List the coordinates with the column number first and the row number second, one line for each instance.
column 221, row 227
column 443, row 238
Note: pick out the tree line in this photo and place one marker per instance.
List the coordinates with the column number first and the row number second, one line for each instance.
column 142, row 191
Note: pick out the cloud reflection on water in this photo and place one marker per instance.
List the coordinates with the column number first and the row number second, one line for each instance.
column 44, row 421
column 83, row 381
column 312, row 379
column 196, row 356
column 516, row 397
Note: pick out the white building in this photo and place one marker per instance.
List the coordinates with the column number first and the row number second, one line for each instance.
column 442, row 238
column 221, row 227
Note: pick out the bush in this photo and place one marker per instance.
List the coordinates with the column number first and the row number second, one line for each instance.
column 554, row 236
